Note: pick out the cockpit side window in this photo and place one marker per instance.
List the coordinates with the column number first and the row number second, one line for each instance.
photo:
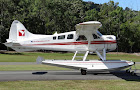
column 99, row 33
column 95, row 36
column 81, row 38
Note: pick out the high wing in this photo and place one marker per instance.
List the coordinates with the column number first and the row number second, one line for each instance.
column 88, row 28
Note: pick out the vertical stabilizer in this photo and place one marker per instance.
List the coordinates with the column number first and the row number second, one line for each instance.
column 18, row 32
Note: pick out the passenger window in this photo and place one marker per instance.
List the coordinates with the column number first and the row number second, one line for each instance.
column 95, row 36
column 81, row 38
column 70, row 36
column 54, row 38
column 61, row 37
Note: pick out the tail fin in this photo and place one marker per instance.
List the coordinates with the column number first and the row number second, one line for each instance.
column 18, row 32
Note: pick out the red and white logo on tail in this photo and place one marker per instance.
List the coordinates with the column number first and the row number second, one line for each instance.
column 21, row 32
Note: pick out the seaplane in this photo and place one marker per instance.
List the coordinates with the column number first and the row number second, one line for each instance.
column 85, row 39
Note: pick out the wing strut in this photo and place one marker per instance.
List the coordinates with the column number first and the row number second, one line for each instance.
column 84, row 57
column 74, row 55
column 103, row 56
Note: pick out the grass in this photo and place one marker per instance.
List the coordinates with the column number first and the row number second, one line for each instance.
column 124, row 56
column 29, row 67
column 71, row 85
column 31, row 56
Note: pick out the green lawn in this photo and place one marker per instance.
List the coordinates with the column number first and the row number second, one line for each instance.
column 30, row 67
column 71, row 85
column 31, row 56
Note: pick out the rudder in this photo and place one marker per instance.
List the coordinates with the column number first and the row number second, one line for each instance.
column 18, row 32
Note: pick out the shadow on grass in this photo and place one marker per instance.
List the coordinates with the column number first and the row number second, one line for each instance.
column 15, row 53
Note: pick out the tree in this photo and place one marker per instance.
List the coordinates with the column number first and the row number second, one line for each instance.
column 48, row 16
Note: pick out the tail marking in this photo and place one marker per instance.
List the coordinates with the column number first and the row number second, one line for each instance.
column 21, row 32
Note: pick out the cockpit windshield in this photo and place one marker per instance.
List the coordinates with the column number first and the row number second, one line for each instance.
column 99, row 33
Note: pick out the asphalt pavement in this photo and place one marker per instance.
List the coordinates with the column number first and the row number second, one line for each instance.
column 65, row 75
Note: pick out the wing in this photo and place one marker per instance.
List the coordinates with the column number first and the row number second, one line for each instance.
column 88, row 26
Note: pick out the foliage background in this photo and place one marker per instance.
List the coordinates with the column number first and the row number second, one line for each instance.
column 48, row 16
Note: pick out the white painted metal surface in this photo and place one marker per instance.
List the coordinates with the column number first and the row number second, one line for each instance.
column 20, row 39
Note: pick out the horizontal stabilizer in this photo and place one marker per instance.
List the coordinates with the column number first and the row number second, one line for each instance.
column 10, row 44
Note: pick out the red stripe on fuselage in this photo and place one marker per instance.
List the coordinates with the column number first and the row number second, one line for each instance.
column 75, row 43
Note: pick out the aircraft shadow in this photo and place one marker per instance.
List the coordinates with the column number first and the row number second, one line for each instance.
column 119, row 74
column 11, row 53
column 39, row 73
column 127, row 76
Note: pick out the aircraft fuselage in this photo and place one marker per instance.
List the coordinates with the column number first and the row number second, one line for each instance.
column 64, row 42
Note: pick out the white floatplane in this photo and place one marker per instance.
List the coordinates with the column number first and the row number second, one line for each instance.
column 86, row 39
